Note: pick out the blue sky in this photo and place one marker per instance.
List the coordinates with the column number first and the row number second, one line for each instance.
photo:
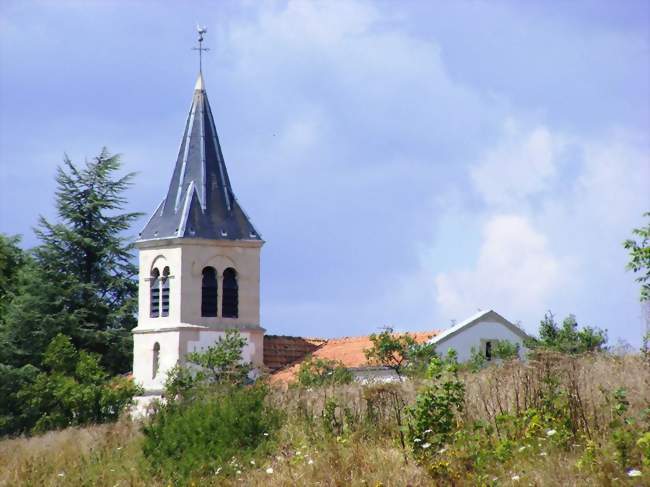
column 407, row 162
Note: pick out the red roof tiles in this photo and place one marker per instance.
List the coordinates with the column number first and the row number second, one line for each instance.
column 348, row 350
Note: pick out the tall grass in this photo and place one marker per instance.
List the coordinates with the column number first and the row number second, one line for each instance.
column 353, row 435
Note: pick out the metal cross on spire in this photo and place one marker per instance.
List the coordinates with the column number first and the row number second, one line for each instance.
column 201, row 31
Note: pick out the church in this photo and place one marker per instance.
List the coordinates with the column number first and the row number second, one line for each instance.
column 199, row 275
column 199, row 260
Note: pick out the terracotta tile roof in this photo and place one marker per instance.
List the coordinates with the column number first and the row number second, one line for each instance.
column 280, row 351
column 348, row 350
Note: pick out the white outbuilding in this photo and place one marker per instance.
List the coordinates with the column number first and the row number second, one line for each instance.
column 480, row 332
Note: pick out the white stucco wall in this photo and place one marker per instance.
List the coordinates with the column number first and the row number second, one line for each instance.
column 475, row 336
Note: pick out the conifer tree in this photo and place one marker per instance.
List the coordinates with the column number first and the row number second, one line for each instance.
column 81, row 281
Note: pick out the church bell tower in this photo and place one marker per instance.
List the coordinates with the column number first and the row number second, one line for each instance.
column 199, row 259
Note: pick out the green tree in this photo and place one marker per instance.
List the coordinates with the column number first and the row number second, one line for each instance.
column 569, row 337
column 640, row 257
column 315, row 372
column 221, row 363
column 12, row 260
column 82, row 279
column 74, row 390
column 399, row 352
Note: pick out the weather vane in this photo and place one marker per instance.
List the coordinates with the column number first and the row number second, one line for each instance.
column 201, row 31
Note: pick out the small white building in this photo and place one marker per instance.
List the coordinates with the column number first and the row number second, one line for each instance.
column 480, row 332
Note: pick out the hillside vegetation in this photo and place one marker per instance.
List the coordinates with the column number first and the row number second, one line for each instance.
column 554, row 420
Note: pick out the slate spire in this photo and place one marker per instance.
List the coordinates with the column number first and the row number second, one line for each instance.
column 200, row 202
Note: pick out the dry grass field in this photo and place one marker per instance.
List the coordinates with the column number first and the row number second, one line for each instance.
column 350, row 435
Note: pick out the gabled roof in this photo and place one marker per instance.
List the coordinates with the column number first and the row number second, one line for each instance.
column 200, row 202
column 348, row 350
column 473, row 320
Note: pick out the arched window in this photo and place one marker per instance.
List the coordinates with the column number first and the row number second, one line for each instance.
column 164, row 296
column 209, row 292
column 230, row 302
column 154, row 294
column 156, row 360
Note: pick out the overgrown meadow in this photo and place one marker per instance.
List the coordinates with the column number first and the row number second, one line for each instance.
column 553, row 420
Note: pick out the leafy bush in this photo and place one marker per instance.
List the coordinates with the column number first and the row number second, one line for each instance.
column 399, row 352
column 75, row 390
column 191, row 438
column 433, row 417
column 321, row 372
column 222, row 362
column 568, row 338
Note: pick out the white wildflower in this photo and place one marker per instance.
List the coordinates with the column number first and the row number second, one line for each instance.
column 310, row 462
column 426, row 445
column 269, row 470
column 515, row 478
column 238, row 472
column 417, row 440
column 550, row 432
column 252, row 462
column 543, row 454
column 634, row 473
column 266, row 434
column 427, row 431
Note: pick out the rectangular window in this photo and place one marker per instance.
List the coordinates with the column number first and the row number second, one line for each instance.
column 155, row 300
column 164, row 302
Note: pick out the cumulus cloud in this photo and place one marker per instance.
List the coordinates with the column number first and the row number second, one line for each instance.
column 555, row 210
column 522, row 164
column 515, row 270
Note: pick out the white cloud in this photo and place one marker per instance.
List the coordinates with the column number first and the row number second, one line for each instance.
column 522, row 164
column 515, row 271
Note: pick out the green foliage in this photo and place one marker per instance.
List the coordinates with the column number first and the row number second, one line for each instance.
column 190, row 438
column 639, row 251
column 316, row 372
column 433, row 418
column 223, row 362
column 477, row 360
column 418, row 358
column 12, row 260
column 75, row 390
column 505, row 350
column 399, row 352
column 568, row 338
column 12, row 381
column 81, row 281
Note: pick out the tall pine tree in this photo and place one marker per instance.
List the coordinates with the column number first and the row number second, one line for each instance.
column 82, row 279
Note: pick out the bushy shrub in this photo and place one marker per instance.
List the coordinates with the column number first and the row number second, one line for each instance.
column 76, row 390
column 316, row 372
column 433, row 418
column 569, row 337
column 186, row 439
column 400, row 352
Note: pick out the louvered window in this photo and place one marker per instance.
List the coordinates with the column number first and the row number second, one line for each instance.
column 230, row 302
column 209, row 292
column 164, row 301
column 154, row 294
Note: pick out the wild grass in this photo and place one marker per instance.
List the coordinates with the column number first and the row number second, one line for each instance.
column 352, row 435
